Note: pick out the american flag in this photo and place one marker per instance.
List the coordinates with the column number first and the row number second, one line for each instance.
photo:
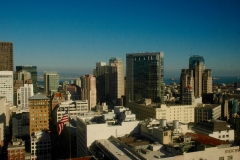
column 62, row 121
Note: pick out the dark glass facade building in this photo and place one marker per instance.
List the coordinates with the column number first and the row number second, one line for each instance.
column 145, row 76
column 33, row 71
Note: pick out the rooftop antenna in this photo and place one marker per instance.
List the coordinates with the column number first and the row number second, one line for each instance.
column 191, row 53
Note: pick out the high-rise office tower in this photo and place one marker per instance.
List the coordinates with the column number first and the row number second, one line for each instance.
column 6, row 56
column 102, row 81
column 207, row 81
column 116, row 80
column 33, row 72
column 197, row 64
column 38, row 113
column 145, row 76
column 6, row 85
column 196, row 77
column 88, row 90
column 51, row 82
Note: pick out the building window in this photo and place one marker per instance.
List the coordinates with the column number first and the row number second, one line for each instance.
column 227, row 136
column 165, row 134
column 229, row 157
column 221, row 158
column 219, row 136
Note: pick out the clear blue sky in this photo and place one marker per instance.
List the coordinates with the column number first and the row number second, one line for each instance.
column 71, row 36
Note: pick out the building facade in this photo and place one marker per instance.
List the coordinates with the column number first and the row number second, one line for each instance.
column 145, row 76
column 102, row 81
column 207, row 112
column 20, row 123
column 88, row 90
column 116, row 80
column 216, row 129
column 75, row 108
column 90, row 129
column 6, row 85
column 6, row 56
column 38, row 113
column 23, row 94
column 16, row 150
column 33, row 71
column 143, row 111
column 196, row 77
column 51, row 82
column 40, row 146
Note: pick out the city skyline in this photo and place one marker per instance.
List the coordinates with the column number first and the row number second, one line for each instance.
column 72, row 36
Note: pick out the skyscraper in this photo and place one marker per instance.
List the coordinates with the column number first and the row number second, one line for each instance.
column 51, row 82
column 6, row 56
column 145, row 76
column 197, row 64
column 102, row 81
column 110, row 81
column 116, row 80
column 197, row 78
column 88, row 90
column 33, row 71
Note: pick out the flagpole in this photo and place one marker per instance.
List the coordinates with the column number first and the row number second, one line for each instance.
column 69, row 129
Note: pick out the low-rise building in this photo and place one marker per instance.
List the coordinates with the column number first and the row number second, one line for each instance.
column 188, row 147
column 74, row 108
column 16, row 150
column 206, row 112
column 94, row 128
column 146, row 109
column 215, row 128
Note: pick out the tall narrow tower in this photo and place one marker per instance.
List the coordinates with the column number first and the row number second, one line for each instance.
column 88, row 90
column 197, row 64
column 197, row 79
column 145, row 76
column 6, row 56
column 116, row 79
column 102, row 81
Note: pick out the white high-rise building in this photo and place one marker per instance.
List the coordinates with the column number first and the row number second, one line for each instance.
column 24, row 93
column 6, row 85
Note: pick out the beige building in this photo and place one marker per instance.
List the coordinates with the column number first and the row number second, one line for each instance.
column 6, row 56
column 110, row 81
column 196, row 77
column 38, row 113
column 88, row 90
column 116, row 80
column 183, row 113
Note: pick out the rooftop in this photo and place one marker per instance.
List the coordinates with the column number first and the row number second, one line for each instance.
column 38, row 96
column 206, row 140
column 212, row 126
